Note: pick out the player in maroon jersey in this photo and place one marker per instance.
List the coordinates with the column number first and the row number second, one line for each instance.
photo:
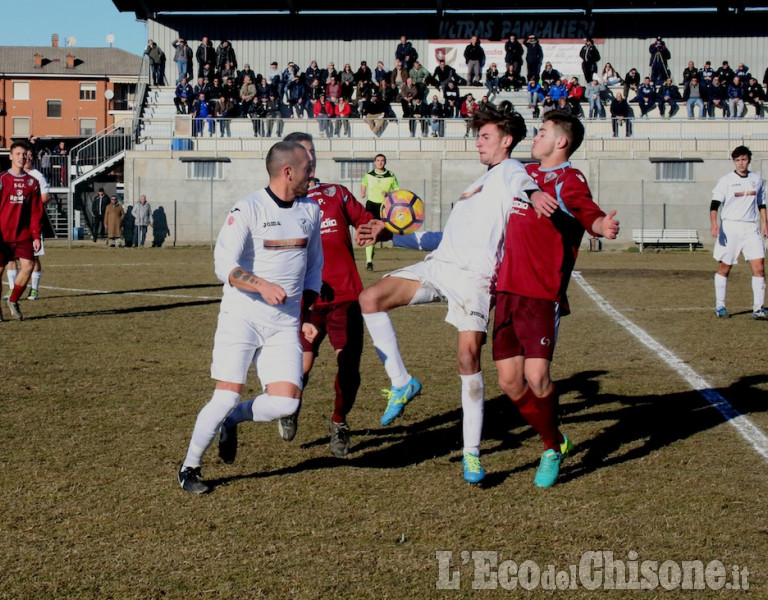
column 21, row 211
column 335, row 314
column 539, row 256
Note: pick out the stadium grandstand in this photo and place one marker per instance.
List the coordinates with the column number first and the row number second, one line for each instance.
column 660, row 177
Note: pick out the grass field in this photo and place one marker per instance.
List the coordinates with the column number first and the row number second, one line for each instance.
column 106, row 375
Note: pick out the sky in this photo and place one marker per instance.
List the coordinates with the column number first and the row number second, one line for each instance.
column 31, row 23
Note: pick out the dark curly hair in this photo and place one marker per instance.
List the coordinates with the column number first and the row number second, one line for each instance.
column 505, row 117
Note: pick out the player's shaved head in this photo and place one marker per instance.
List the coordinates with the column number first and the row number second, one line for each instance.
column 569, row 126
column 505, row 117
column 282, row 154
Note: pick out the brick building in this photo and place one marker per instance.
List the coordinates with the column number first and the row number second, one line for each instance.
column 63, row 92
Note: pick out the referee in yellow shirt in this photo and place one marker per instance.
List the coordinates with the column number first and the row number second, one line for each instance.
column 376, row 185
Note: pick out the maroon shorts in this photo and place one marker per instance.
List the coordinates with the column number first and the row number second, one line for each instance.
column 342, row 323
column 12, row 250
column 524, row 327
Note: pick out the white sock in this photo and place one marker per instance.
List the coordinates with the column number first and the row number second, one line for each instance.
column 11, row 277
column 208, row 421
column 472, row 404
column 385, row 341
column 269, row 407
column 720, row 285
column 758, row 293
column 35, row 281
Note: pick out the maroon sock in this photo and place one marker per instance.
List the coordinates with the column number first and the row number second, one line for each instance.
column 18, row 290
column 541, row 414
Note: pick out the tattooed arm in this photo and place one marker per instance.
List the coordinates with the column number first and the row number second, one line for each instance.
column 248, row 282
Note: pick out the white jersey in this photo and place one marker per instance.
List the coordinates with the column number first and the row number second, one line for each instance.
column 739, row 196
column 276, row 241
column 44, row 188
column 473, row 238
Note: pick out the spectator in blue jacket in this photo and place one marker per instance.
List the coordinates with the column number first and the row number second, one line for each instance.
column 735, row 93
column 646, row 97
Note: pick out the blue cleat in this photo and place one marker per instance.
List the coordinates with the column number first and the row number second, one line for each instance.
column 548, row 470
column 566, row 447
column 397, row 398
column 721, row 312
column 473, row 470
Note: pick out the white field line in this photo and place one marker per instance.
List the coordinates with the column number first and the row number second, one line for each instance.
column 741, row 423
column 154, row 294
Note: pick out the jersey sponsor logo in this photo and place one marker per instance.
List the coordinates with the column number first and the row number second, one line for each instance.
column 271, row 224
column 287, row 244
column 745, row 193
column 519, row 207
column 328, row 223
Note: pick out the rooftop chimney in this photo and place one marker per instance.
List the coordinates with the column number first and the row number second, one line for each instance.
column 38, row 60
column 55, row 40
column 70, row 61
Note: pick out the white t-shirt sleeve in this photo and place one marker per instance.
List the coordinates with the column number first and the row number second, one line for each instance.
column 232, row 240
column 720, row 191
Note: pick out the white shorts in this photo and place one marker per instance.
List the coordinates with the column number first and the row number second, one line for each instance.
column 467, row 293
column 737, row 237
column 276, row 353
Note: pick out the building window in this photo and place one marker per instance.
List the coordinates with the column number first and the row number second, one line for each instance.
column 21, row 90
column 87, row 127
column 54, row 109
column 354, row 169
column 205, row 170
column 21, row 127
column 87, row 91
column 674, row 171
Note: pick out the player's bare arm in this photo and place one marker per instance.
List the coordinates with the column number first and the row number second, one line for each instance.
column 763, row 222
column 714, row 229
column 606, row 226
column 248, row 282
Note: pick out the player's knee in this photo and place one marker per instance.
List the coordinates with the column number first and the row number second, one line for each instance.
column 469, row 361
column 514, row 388
column 369, row 300
column 285, row 406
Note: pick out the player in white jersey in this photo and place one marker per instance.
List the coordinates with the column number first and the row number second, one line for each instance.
column 740, row 196
column 270, row 258
column 45, row 195
column 461, row 271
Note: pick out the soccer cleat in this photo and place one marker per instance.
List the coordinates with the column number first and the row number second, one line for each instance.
column 369, row 266
column 288, row 426
column 397, row 398
column 566, row 447
column 549, row 468
column 473, row 470
column 191, row 480
column 228, row 444
column 7, row 297
column 15, row 310
column 722, row 313
column 761, row 314
column 32, row 295
column 339, row 439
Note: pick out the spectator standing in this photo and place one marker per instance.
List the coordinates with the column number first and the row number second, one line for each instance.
column 405, row 53
column 142, row 218
column 205, row 54
column 436, row 121
column 156, row 62
column 594, row 95
column 160, row 228
column 113, row 219
column 274, row 116
column 590, row 56
column 492, row 79
column 513, row 54
column 98, row 207
column 225, row 54
column 342, row 110
column 534, row 96
column 183, row 58
column 659, row 61
column 534, row 58
column 468, row 108
column 474, row 55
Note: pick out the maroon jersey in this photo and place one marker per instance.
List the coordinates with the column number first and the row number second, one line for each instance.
column 338, row 210
column 539, row 253
column 21, row 208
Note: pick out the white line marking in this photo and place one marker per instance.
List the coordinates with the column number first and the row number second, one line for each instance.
column 741, row 423
column 117, row 293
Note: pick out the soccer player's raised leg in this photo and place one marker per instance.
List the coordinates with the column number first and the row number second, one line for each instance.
column 375, row 301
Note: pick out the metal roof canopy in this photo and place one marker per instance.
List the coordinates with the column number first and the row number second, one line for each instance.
column 145, row 9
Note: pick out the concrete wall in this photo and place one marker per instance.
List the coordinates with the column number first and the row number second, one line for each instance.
column 625, row 184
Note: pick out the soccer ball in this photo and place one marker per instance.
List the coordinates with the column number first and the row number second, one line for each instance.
column 402, row 212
